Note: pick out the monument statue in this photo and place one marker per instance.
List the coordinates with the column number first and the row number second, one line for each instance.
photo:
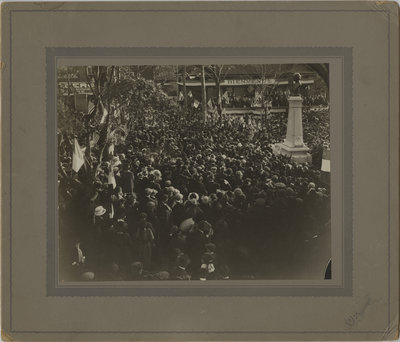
column 293, row 146
column 295, row 85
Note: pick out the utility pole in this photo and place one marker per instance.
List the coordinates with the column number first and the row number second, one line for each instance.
column 203, row 94
column 177, row 85
column 184, row 88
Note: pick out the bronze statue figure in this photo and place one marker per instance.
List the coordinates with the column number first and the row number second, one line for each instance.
column 295, row 85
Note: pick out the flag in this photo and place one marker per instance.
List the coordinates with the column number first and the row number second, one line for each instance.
column 104, row 129
column 111, row 213
column 111, row 149
column 326, row 165
column 77, row 156
column 196, row 103
column 190, row 94
column 91, row 108
column 111, row 178
column 105, row 113
column 95, row 139
column 326, row 160
column 226, row 97
column 210, row 104
column 180, row 97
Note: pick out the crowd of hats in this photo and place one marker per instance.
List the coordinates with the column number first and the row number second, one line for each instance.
column 192, row 200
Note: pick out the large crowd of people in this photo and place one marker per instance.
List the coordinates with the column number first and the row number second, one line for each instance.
column 183, row 199
column 276, row 99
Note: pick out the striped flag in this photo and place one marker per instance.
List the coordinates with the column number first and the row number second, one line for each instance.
column 326, row 165
column 91, row 108
column 326, row 160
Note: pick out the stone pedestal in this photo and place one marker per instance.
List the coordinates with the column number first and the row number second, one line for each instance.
column 293, row 145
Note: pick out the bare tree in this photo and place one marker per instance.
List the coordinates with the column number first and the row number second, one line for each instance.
column 218, row 74
column 99, row 79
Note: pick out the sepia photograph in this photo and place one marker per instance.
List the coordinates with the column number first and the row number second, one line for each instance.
column 193, row 172
column 200, row 171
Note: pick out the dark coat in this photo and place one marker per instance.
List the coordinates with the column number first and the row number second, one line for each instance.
column 127, row 181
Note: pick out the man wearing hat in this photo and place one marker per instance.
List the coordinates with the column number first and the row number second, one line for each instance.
column 99, row 218
column 192, row 205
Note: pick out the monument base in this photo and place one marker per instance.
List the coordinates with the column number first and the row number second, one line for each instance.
column 296, row 154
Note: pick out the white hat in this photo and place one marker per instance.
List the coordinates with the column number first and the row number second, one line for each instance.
column 156, row 173
column 99, row 211
column 193, row 195
column 193, row 198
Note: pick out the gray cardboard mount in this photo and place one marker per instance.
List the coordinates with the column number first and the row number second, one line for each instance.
column 360, row 42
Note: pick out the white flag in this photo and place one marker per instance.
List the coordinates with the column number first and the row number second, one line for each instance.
column 226, row 97
column 105, row 113
column 326, row 160
column 77, row 157
column 111, row 214
column 196, row 103
column 111, row 149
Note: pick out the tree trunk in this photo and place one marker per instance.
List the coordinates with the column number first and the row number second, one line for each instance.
column 219, row 99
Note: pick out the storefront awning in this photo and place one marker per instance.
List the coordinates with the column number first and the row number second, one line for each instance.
column 238, row 83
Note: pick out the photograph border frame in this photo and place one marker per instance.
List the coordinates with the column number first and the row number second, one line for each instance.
column 12, row 325
column 198, row 288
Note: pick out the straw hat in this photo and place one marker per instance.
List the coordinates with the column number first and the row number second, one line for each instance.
column 99, row 211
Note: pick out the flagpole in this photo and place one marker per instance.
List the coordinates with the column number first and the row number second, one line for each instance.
column 184, row 88
column 177, row 83
column 203, row 94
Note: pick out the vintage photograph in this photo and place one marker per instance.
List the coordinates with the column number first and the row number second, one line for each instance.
column 193, row 172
